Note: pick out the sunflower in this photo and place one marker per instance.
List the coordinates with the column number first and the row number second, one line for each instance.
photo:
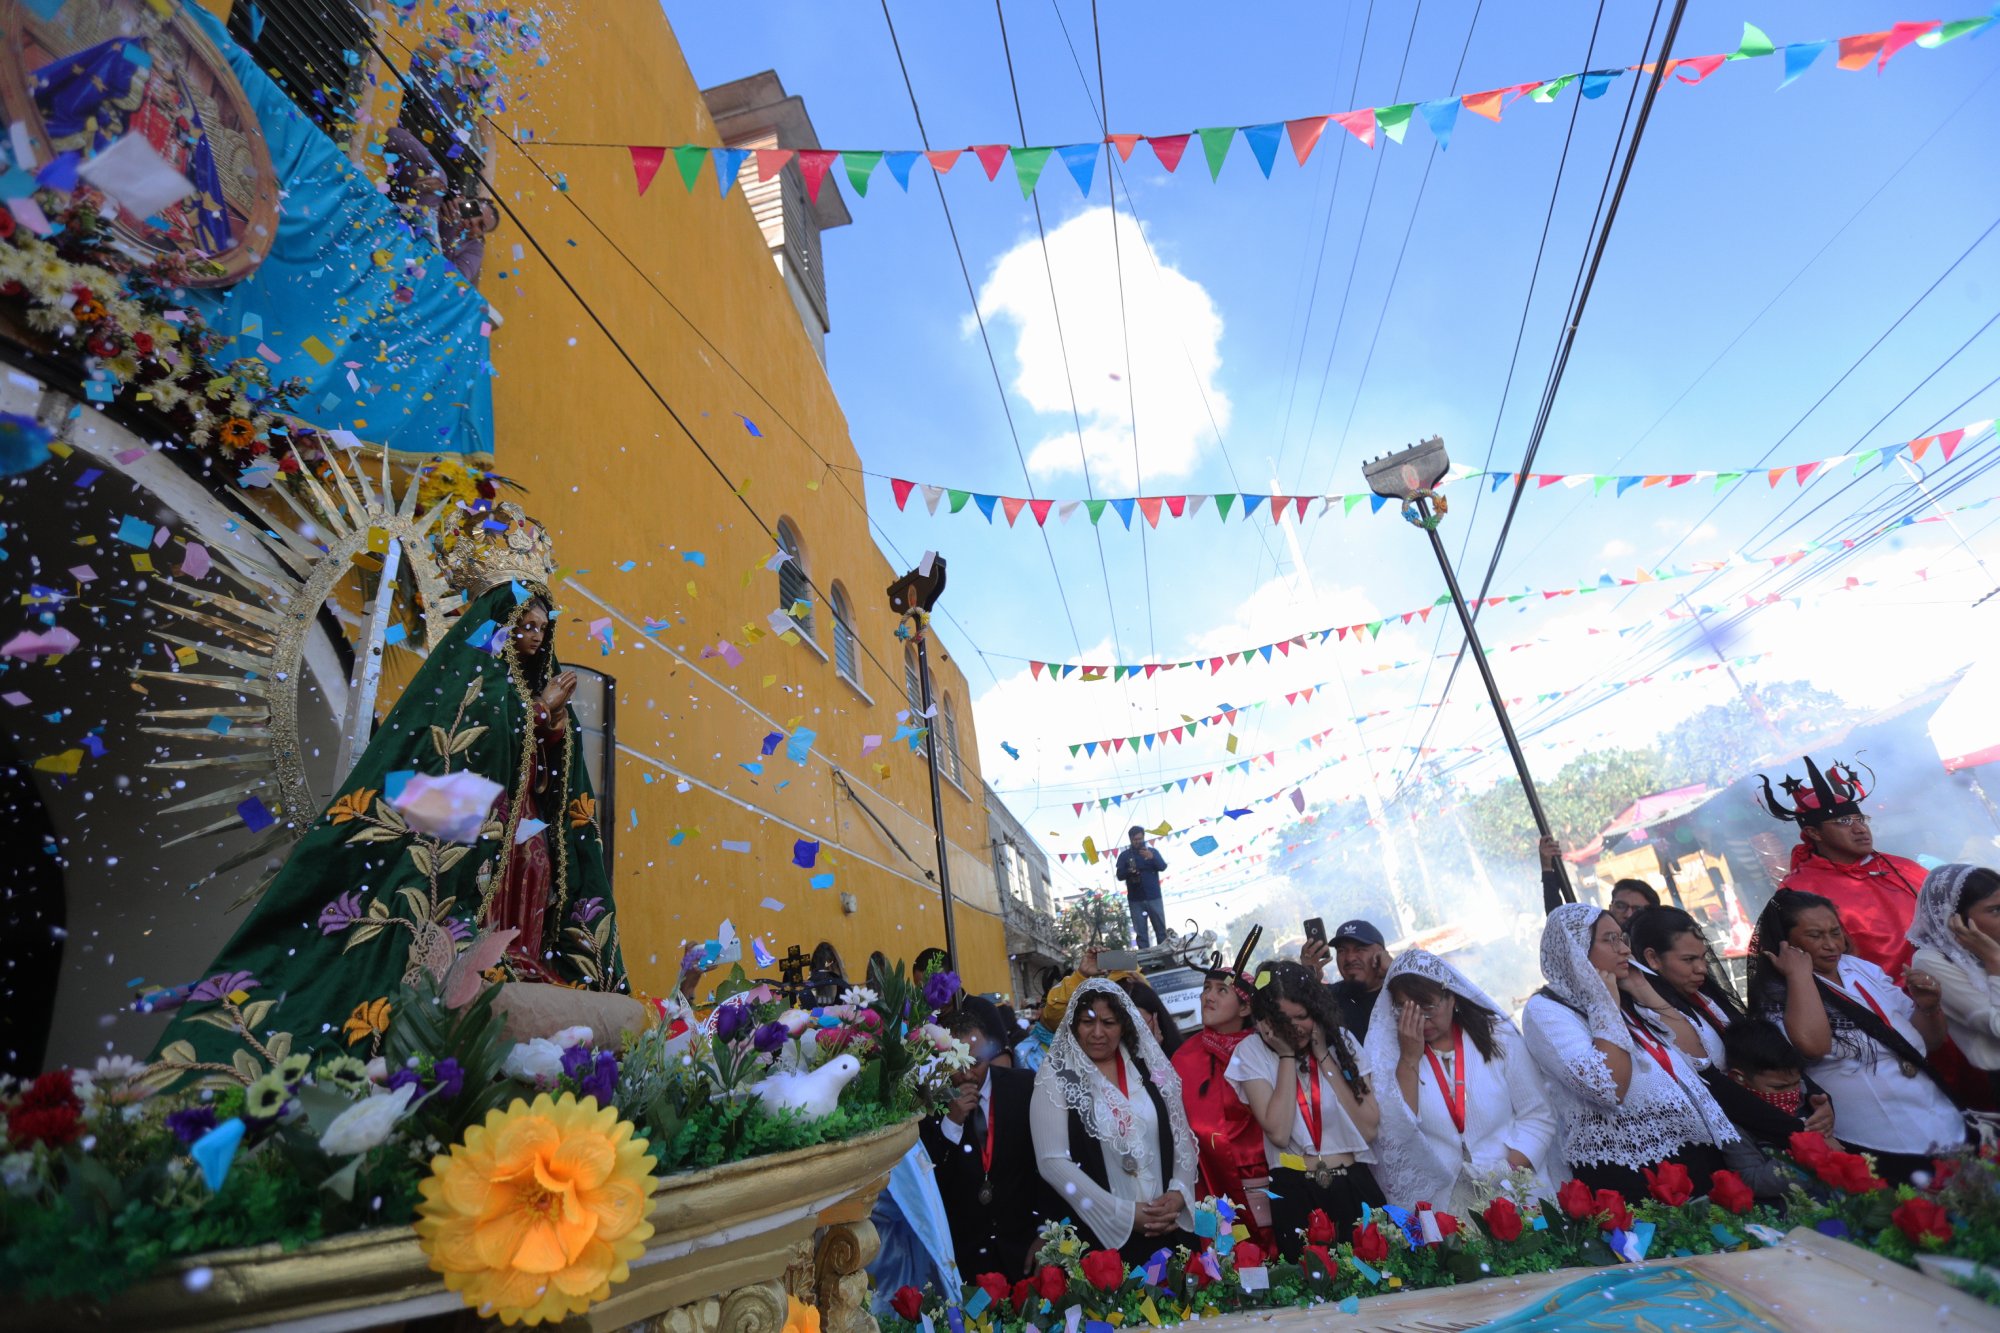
column 539, row 1211
column 236, row 433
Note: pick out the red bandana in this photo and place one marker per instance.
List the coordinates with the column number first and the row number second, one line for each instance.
column 1788, row 1102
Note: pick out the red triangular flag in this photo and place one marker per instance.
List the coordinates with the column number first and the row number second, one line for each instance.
column 1118, row 744
column 1902, row 35
column 1151, row 667
column 1302, row 501
column 1703, row 66
column 991, row 156
column 1485, row 104
column 646, row 164
column 1680, row 479
column 1544, row 480
column 1124, row 143
column 1013, row 508
column 1214, row 665
column 814, row 163
column 944, row 159
column 1040, row 509
column 1278, row 503
column 1149, row 505
column 771, row 161
column 902, row 489
column 1361, row 124
column 1079, row 809
column 1805, row 470
column 1168, row 148
column 1177, row 505
column 1949, row 441
column 1858, row 50
column 1304, row 134
column 1035, row 670
column 1776, row 473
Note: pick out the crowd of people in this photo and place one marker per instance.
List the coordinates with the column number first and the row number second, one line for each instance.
column 1872, row 1017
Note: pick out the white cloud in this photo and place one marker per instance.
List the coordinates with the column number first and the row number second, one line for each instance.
column 1616, row 547
column 1176, row 335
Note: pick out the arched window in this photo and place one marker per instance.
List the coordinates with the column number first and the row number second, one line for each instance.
column 846, row 653
column 913, row 686
column 793, row 588
column 947, row 719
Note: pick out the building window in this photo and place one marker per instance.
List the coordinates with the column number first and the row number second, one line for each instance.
column 846, row 652
column 913, row 685
column 303, row 45
column 948, row 740
column 793, row 588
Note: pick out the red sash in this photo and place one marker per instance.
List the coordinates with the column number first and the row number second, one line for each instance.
column 1454, row 1099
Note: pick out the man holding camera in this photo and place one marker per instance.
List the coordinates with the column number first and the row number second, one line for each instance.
column 1138, row 869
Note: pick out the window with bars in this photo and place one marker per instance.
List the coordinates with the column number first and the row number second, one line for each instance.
column 948, row 739
column 793, row 588
column 913, row 686
column 305, row 45
column 846, row 652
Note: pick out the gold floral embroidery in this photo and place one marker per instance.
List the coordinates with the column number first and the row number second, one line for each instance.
column 582, row 811
column 368, row 1020
column 351, row 806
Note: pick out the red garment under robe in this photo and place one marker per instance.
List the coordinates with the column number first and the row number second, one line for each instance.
column 1230, row 1140
column 523, row 896
column 1876, row 898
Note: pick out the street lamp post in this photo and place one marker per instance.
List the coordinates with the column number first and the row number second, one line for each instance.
column 1411, row 476
column 912, row 597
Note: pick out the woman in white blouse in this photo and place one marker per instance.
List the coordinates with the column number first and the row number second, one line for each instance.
column 1619, row 1060
column 1864, row 1040
column 1957, row 934
column 1306, row 1082
column 1111, row 1134
column 1468, row 1108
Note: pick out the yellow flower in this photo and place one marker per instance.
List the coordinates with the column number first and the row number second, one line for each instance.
column 539, row 1211
column 582, row 811
column 800, row 1317
column 367, row 1020
column 351, row 806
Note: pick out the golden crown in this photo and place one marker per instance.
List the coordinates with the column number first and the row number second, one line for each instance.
column 499, row 546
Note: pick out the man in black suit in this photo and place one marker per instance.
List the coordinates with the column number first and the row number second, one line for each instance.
column 994, row 1196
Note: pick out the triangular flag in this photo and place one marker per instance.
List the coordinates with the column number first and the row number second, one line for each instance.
column 1215, row 146
column 1862, row 47
column 861, row 165
column 1168, row 148
column 1149, row 505
column 1485, row 104
column 1596, row 81
column 1096, row 508
column 1263, row 141
column 728, row 165
column 1440, row 115
column 990, row 156
column 1176, row 505
column 771, row 161
column 1222, row 503
column 1799, row 57
column 985, row 503
column 1901, row 36
column 1948, row 443
column 1360, row 124
column 1012, row 508
column 1124, row 143
column 932, row 494
column 646, row 164
column 899, row 166
column 942, row 160
column 958, row 499
column 1028, row 164
column 689, row 157
column 902, row 489
column 1081, row 159
column 1703, row 66
column 1304, row 134
column 1918, row 448
column 1754, row 43
column 1124, row 510
column 1250, row 503
column 813, row 162
column 1040, row 509
column 1395, row 120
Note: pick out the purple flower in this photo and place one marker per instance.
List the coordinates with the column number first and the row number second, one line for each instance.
column 460, row 931
column 595, row 1075
column 588, row 910
column 222, row 984
column 576, row 1063
column 770, row 1038
column 341, row 913
column 447, row 1079
column 940, row 989
column 403, row 1078
column 730, row 1020
column 191, row 1123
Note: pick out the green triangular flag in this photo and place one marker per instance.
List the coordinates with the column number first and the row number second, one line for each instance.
column 1597, row 484
column 689, row 157
column 1865, row 461
column 1096, row 508
column 1755, row 43
column 1374, row 629
column 1551, row 90
column 1215, row 143
column 1951, row 31
column 1725, row 478
column 1028, row 164
column 1349, row 501
column 860, row 164
column 1074, row 748
column 1117, row 674
column 958, row 499
column 1393, row 121
column 1222, row 503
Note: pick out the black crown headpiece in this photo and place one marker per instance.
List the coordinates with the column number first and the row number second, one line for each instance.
column 1821, row 797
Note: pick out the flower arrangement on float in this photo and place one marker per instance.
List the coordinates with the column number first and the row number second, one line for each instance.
column 1955, row 1211
column 525, row 1168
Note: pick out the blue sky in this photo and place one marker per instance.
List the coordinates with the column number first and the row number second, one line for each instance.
column 1737, row 185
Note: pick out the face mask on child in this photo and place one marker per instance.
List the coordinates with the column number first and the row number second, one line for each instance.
column 1788, row 1101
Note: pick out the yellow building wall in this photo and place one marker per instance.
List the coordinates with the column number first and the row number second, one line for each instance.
column 607, row 468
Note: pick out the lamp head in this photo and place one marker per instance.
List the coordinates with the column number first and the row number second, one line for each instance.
column 1402, row 474
column 919, row 589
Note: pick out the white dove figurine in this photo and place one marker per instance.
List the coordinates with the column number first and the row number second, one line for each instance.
column 815, row 1092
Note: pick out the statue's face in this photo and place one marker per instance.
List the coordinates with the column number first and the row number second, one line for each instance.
column 531, row 631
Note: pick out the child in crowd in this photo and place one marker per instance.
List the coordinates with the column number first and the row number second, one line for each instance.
column 1761, row 1060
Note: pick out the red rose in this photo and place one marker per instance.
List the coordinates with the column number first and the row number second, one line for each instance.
column 1325, row 1256
column 1922, row 1220
column 53, row 1125
column 1319, row 1228
column 1809, row 1150
column 1611, row 1210
column 1024, row 1292
column 1051, row 1284
column 1503, row 1220
column 1576, row 1199
column 995, row 1285
column 907, row 1302
column 50, row 1090
column 1104, row 1270
column 1942, row 1170
column 1247, row 1255
column 1849, row 1171
column 102, row 344
column 289, row 463
column 1447, row 1224
column 1369, row 1245
column 142, row 343
column 1669, row 1183
column 1728, row 1191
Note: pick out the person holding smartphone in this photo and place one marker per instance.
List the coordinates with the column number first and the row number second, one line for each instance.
column 1138, row 869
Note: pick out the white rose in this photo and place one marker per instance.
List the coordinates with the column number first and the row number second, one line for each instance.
column 537, row 1062
column 576, row 1036
column 367, row 1123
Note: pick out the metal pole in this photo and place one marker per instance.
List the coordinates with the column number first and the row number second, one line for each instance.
column 937, row 794
column 1478, row 652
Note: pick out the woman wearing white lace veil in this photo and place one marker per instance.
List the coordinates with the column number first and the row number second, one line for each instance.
column 1111, row 1135
column 1468, row 1108
column 1957, row 934
column 1614, row 1054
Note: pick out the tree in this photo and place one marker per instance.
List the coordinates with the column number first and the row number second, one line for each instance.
column 1724, row 741
column 1093, row 917
column 1580, row 800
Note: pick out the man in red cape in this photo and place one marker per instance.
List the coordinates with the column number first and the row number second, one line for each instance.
column 1230, row 1141
column 1875, row 893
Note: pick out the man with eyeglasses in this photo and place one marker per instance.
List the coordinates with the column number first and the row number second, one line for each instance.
column 1874, row 892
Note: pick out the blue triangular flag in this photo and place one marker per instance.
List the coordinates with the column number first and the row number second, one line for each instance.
column 986, row 503
column 1499, row 478
column 1799, row 57
column 215, row 1150
column 728, row 161
column 1375, row 503
column 1597, row 80
column 899, row 165
column 1627, row 483
column 1250, row 503
column 1081, row 159
column 1440, row 115
column 1124, row 508
column 1263, row 141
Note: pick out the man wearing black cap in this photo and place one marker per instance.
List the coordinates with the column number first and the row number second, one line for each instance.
column 1138, row 869
column 1874, row 892
column 1363, row 959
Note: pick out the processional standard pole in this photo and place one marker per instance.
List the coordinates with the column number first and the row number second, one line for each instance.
column 1411, row 476
column 912, row 597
